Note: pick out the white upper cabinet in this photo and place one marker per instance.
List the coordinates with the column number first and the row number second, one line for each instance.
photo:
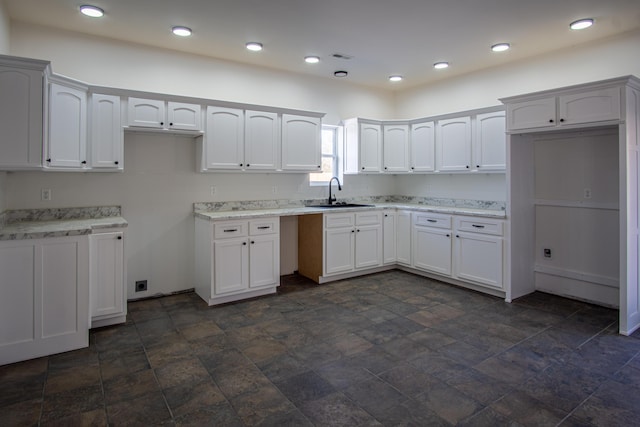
column 67, row 127
column 21, row 118
column 182, row 116
column 105, row 132
column 301, row 139
column 160, row 114
column 261, row 140
column 489, row 143
column 148, row 113
column 395, row 143
column 564, row 110
column 224, row 138
column 363, row 146
column 422, row 146
column 453, row 144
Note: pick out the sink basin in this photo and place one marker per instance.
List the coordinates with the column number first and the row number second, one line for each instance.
column 340, row 205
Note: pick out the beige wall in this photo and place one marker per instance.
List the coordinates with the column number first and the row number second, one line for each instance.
column 4, row 29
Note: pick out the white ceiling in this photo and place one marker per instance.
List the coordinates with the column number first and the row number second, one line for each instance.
column 384, row 37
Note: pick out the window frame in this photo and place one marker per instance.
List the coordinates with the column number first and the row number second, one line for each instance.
column 336, row 156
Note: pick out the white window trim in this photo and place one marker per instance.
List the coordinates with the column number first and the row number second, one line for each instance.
column 337, row 149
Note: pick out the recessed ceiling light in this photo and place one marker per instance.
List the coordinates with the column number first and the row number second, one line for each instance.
column 254, row 46
column 181, row 31
column 395, row 78
column 312, row 59
column 340, row 73
column 92, row 11
column 441, row 65
column 581, row 24
column 500, row 47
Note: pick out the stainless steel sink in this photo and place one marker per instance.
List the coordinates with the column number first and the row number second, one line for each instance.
column 340, row 205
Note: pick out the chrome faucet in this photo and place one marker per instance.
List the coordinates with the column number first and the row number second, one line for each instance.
column 333, row 199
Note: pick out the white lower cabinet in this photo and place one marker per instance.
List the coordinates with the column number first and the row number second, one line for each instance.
column 107, row 279
column 353, row 241
column 44, row 297
column 403, row 237
column 237, row 259
column 432, row 243
column 389, row 243
column 478, row 251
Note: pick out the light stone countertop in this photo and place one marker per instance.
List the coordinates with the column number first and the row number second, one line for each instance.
column 257, row 213
column 59, row 228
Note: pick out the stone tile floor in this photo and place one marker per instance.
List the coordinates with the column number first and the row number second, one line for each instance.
column 386, row 349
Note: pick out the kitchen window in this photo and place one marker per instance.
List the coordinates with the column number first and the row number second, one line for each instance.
column 331, row 143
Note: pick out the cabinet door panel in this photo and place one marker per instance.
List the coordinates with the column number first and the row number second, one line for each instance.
column 17, row 298
column 184, row 116
column 370, row 147
column 106, row 132
column 396, row 148
column 231, row 265
column 432, row 250
column 339, row 250
column 67, row 127
column 264, row 261
column 479, row 259
column 301, row 139
column 389, row 244
column 148, row 113
column 490, row 144
column 224, row 138
column 594, row 106
column 403, row 237
column 107, row 275
column 453, row 144
column 368, row 246
column 261, row 140
column 532, row 114
column 422, row 142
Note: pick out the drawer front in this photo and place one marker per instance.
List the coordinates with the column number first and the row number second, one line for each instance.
column 369, row 218
column 338, row 220
column 226, row 229
column 258, row 227
column 480, row 225
column 432, row 220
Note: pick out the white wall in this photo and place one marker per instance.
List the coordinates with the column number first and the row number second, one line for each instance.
column 613, row 57
column 484, row 186
column 4, row 29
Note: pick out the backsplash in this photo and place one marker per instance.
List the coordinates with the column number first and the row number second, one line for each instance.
column 20, row 215
column 287, row 203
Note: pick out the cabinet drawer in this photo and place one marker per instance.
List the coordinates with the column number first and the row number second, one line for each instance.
column 338, row 220
column 230, row 229
column 432, row 220
column 480, row 225
column 264, row 226
column 369, row 218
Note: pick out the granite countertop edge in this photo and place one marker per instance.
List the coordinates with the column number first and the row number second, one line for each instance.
column 59, row 228
column 306, row 210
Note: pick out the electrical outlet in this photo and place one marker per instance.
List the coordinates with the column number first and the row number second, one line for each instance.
column 547, row 252
column 45, row 194
column 587, row 193
column 141, row 285
column 213, row 190
column 274, row 189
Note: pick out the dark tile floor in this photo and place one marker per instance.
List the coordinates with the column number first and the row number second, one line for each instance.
column 385, row 349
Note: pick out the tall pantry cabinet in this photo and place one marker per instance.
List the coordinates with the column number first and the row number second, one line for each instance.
column 573, row 181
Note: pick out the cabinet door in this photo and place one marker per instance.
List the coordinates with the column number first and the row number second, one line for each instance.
column 490, row 142
column 106, row 135
column 230, row 265
column 301, row 139
column 453, row 144
column 432, row 250
column 479, row 259
column 261, row 140
column 422, row 143
column 224, row 138
column 396, row 148
column 586, row 107
column 368, row 246
column 403, row 237
column 21, row 100
column 148, row 113
column 67, row 136
column 264, row 260
column 106, row 253
column 338, row 255
column 539, row 113
column 389, row 245
column 183, row 116
column 370, row 141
